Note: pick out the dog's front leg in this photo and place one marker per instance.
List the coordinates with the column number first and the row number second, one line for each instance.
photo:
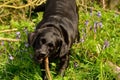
column 63, row 64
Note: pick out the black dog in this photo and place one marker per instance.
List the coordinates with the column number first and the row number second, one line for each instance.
column 56, row 33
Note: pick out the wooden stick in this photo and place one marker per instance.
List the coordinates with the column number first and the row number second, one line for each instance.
column 47, row 69
column 8, row 39
column 8, row 30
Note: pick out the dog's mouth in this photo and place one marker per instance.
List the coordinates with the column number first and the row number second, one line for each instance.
column 40, row 57
column 40, row 60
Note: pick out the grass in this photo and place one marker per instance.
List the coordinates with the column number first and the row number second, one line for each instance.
column 99, row 44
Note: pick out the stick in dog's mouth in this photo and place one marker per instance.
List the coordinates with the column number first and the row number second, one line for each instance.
column 47, row 70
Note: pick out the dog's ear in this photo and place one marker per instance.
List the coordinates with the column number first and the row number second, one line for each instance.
column 31, row 38
column 63, row 48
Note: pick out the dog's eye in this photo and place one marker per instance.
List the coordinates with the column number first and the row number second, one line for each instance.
column 50, row 45
column 43, row 41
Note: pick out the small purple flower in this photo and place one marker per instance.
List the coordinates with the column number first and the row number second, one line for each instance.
column 100, row 24
column 95, row 26
column 106, row 44
column 95, row 30
column 18, row 35
column 75, row 64
column 26, row 44
column 99, row 14
column 11, row 57
column 86, row 22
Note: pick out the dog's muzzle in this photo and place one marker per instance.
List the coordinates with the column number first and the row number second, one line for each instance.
column 40, row 55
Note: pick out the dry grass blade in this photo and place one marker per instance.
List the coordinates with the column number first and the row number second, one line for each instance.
column 9, row 30
column 47, row 69
column 11, row 40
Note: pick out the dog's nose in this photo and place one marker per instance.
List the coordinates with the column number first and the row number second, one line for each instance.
column 39, row 54
column 43, row 53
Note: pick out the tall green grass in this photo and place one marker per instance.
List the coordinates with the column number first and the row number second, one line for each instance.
column 99, row 44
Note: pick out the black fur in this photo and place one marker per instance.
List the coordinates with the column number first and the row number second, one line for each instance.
column 56, row 33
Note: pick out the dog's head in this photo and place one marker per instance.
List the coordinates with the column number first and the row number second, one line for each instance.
column 46, row 42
